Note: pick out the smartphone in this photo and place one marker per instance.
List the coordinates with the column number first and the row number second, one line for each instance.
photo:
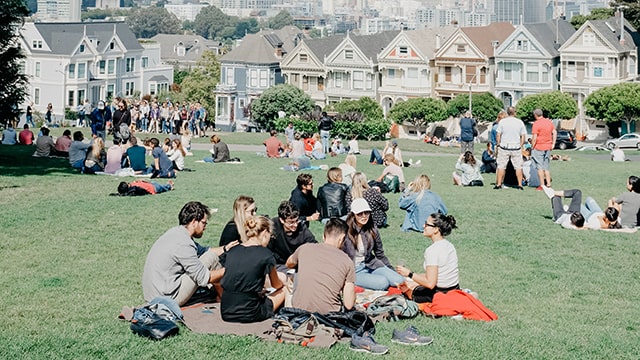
column 270, row 290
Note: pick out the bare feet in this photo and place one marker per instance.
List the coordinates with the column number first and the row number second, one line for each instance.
column 171, row 183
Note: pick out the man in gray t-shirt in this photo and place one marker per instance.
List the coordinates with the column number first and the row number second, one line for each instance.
column 629, row 203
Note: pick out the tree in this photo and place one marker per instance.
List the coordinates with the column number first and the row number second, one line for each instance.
column 200, row 83
column 484, row 106
column 282, row 19
column 614, row 103
column 210, row 22
column 283, row 97
column 554, row 104
column 13, row 81
column 365, row 107
column 596, row 14
column 419, row 111
column 631, row 11
column 148, row 22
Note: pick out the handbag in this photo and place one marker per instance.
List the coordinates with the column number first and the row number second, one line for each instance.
column 154, row 327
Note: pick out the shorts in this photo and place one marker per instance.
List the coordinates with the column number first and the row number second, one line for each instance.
column 505, row 155
column 541, row 158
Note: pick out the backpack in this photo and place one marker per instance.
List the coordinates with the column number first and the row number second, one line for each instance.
column 301, row 327
column 350, row 322
column 157, row 319
column 393, row 308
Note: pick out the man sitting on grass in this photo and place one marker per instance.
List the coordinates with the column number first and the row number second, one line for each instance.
column 176, row 264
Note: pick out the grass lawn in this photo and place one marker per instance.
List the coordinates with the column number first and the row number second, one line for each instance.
column 72, row 256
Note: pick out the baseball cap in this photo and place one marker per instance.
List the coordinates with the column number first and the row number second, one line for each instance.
column 359, row 205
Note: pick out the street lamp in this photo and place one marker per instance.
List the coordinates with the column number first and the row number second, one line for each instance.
column 470, row 83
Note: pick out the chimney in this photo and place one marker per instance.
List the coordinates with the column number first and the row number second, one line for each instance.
column 279, row 51
column 438, row 41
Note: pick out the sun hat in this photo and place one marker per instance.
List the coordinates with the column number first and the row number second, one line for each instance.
column 359, row 205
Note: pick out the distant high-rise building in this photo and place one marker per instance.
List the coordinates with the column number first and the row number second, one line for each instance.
column 520, row 11
column 107, row 4
column 59, row 10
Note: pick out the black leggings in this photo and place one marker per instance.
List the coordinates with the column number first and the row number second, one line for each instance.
column 423, row 294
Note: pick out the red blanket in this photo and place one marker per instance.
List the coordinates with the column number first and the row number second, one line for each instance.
column 457, row 302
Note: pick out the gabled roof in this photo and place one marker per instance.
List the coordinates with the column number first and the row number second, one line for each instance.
column 484, row 36
column 609, row 29
column 425, row 40
column 260, row 48
column 372, row 45
column 194, row 45
column 548, row 32
column 323, row 46
column 63, row 38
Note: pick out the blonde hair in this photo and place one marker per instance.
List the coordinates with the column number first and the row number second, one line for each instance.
column 351, row 160
column 501, row 115
column 390, row 158
column 97, row 147
column 419, row 185
column 240, row 206
column 334, row 175
column 359, row 185
column 316, row 137
column 255, row 225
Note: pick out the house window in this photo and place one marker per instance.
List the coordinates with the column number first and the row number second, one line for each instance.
column 597, row 71
column 338, row 79
column 571, row 68
column 253, row 78
column 508, row 71
column 181, row 51
column 82, row 71
column 588, row 38
column 470, row 73
column 70, row 96
column 295, row 78
column 523, row 45
column 145, row 62
column 264, row 78
column 110, row 91
column 130, row 64
column 460, row 48
column 101, row 66
column 403, row 50
column 304, row 58
column 447, row 73
column 412, row 73
column 152, row 88
column 305, row 83
column 37, row 70
column 369, row 84
column 532, row 72
column 348, row 54
column 111, row 67
column 72, row 71
column 80, row 96
column 391, row 73
column 229, row 77
column 358, row 80
column 545, row 73
column 112, row 45
column 36, row 96
column 320, row 84
column 129, row 87
column 37, row 44
column 81, row 48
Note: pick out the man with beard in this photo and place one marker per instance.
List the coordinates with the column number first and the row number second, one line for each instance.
column 176, row 264
column 289, row 233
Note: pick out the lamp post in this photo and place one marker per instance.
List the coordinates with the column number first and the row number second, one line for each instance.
column 470, row 83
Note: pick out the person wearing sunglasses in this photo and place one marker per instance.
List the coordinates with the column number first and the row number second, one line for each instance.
column 244, row 207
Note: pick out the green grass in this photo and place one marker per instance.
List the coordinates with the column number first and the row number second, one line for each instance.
column 73, row 256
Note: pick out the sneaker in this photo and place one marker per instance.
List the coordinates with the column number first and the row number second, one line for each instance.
column 497, row 187
column 539, row 188
column 418, row 163
column 365, row 343
column 410, row 336
column 520, row 188
column 548, row 191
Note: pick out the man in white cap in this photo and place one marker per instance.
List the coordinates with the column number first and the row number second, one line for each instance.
column 99, row 118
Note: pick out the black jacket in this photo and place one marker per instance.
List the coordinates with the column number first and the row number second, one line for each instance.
column 331, row 200
column 283, row 245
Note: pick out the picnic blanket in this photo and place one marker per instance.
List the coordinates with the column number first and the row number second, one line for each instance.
column 206, row 319
column 458, row 302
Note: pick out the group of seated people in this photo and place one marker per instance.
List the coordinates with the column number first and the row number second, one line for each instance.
column 622, row 212
column 307, row 147
column 248, row 271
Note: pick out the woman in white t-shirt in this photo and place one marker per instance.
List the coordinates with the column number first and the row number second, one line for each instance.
column 440, row 261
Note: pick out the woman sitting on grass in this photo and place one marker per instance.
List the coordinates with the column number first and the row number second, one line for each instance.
column 377, row 202
column 244, row 207
column 419, row 202
column 176, row 154
column 244, row 298
column 96, row 157
column 364, row 245
column 467, row 171
column 440, row 262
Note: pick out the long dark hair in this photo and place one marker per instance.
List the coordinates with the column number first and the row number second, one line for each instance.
column 354, row 229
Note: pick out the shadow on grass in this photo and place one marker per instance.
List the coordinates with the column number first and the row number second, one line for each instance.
column 16, row 160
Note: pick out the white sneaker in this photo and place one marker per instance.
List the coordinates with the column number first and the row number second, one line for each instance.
column 410, row 161
column 418, row 163
column 548, row 191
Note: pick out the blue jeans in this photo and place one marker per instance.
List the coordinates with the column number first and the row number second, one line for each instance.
column 378, row 279
column 589, row 208
column 375, row 156
column 324, row 135
column 30, row 121
column 160, row 188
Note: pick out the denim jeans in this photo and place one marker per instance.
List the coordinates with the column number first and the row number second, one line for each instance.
column 378, row 279
column 324, row 135
column 589, row 208
column 375, row 156
column 160, row 188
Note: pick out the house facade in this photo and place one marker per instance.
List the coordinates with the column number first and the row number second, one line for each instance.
column 250, row 69
column 70, row 62
column 184, row 51
column 464, row 63
column 527, row 62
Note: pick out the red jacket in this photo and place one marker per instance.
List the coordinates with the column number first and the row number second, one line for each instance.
column 456, row 302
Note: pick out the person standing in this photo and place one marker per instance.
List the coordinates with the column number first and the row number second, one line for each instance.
column 325, row 126
column 29, row 115
column 100, row 116
column 510, row 136
column 468, row 131
column 290, row 132
column 543, row 139
column 122, row 122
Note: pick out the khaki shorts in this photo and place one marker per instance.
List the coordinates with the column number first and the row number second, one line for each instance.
column 505, row 155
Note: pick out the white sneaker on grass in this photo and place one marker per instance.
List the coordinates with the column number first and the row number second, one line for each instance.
column 548, row 191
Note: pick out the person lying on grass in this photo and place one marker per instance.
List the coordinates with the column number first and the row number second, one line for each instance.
column 440, row 262
column 143, row 187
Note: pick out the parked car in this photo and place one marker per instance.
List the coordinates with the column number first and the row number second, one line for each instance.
column 631, row 140
column 565, row 140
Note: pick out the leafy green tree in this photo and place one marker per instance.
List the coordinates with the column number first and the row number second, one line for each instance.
column 211, row 22
column 365, row 106
column 596, row 14
column 148, row 22
column 631, row 11
column 554, row 104
column 179, row 75
column 283, row 97
column 614, row 103
column 484, row 106
column 13, row 81
column 282, row 19
column 200, row 83
column 244, row 27
column 419, row 111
